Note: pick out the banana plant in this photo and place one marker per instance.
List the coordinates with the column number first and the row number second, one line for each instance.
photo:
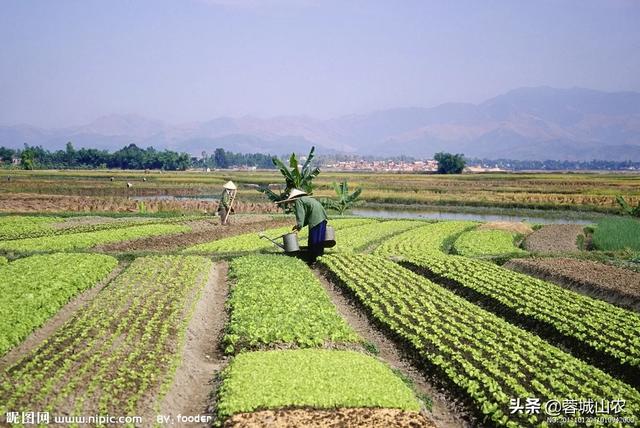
column 626, row 208
column 294, row 176
column 345, row 200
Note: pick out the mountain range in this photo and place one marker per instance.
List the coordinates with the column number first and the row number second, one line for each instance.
column 527, row 124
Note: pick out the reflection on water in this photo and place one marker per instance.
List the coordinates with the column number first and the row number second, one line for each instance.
column 443, row 215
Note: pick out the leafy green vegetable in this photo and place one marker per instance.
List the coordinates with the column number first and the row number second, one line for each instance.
column 359, row 238
column 600, row 325
column 20, row 227
column 278, row 300
column 76, row 241
column 3, row 260
column 321, row 379
column 34, row 288
column 489, row 358
column 478, row 243
column 113, row 353
column 14, row 227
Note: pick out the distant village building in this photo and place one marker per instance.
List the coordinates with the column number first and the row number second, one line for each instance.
column 16, row 161
column 386, row 166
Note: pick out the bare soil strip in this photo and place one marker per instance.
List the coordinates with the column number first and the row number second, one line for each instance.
column 554, row 238
column 446, row 411
column 382, row 418
column 62, row 316
column 202, row 357
column 509, row 226
column 202, row 232
column 615, row 285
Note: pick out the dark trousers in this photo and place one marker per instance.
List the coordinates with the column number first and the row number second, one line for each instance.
column 316, row 240
column 222, row 212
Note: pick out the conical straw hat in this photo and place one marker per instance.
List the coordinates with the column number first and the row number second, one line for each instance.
column 294, row 194
column 229, row 185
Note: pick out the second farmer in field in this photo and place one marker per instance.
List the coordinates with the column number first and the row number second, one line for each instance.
column 225, row 207
column 309, row 212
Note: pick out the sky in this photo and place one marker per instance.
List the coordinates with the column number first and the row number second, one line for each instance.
column 67, row 62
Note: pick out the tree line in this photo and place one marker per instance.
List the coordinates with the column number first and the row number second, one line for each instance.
column 128, row 157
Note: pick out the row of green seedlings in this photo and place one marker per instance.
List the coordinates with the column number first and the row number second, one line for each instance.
column 33, row 289
column 361, row 238
column 252, row 242
column 607, row 335
column 499, row 367
column 21, row 227
column 277, row 302
column 120, row 351
column 488, row 243
column 80, row 241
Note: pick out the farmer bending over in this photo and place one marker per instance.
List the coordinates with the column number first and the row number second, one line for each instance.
column 309, row 212
column 225, row 202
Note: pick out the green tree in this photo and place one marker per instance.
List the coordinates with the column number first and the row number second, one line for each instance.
column 345, row 201
column 70, row 154
column 294, row 176
column 449, row 163
column 27, row 159
column 220, row 158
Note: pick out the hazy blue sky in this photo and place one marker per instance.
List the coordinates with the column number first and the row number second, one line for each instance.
column 67, row 62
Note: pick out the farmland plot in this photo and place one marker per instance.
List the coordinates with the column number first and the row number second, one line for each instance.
column 119, row 352
column 482, row 243
column 76, row 241
column 15, row 227
column 21, row 227
column 276, row 300
column 600, row 326
column 323, row 379
column 493, row 362
column 34, row 288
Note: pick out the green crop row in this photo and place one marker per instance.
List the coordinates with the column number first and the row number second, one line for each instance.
column 601, row 325
column 21, row 227
column 317, row 378
column 119, row 351
column 359, row 238
column 432, row 239
column 490, row 360
column 3, row 260
column 479, row 243
column 35, row 288
column 598, row 324
column 277, row 300
column 15, row 227
column 84, row 240
column 251, row 242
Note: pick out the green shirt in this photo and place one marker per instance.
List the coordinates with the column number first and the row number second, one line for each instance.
column 225, row 199
column 309, row 212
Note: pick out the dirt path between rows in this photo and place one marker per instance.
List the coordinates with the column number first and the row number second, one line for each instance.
column 202, row 358
column 446, row 413
column 62, row 316
column 554, row 238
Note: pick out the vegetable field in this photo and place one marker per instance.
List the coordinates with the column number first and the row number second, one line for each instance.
column 404, row 323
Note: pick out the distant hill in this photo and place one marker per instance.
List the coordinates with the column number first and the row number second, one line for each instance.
column 526, row 123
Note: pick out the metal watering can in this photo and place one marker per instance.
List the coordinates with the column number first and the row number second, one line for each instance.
column 289, row 242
